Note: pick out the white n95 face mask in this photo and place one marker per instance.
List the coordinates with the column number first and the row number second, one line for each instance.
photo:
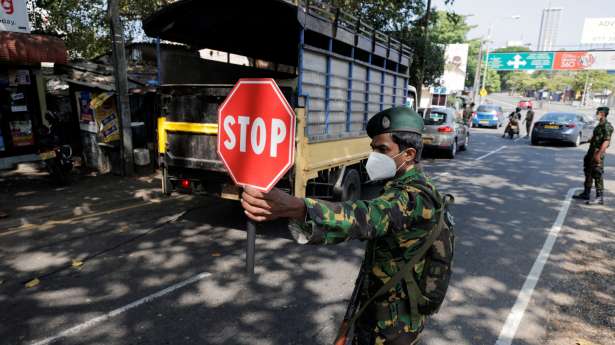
column 380, row 166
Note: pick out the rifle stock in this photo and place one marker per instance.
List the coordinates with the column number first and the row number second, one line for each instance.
column 342, row 336
column 344, row 332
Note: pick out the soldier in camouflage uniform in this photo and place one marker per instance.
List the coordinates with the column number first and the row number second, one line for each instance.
column 395, row 224
column 593, row 163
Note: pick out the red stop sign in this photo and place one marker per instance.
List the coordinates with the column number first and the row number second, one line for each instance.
column 256, row 136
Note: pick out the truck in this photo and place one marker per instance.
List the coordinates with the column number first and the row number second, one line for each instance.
column 334, row 69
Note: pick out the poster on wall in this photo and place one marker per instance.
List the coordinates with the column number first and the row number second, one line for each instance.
column 21, row 133
column 85, row 112
column 456, row 57
column 105, row 113
column 19, row 77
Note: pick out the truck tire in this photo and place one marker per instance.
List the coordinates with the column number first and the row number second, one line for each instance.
column 351, row 186
column 166, row 184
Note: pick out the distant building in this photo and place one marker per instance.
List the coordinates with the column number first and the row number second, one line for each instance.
column 549, row 27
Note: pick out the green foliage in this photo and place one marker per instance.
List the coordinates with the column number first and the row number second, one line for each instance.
column 511, row 49
column 472, row 61
column 492, row 82
column 83, row 24
column 405, row 20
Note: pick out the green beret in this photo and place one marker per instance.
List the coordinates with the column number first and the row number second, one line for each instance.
column 603, row 109
column 397, row 119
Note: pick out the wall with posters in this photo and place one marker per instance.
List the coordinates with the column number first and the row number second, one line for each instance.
column 19, row 111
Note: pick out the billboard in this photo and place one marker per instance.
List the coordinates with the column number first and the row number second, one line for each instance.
column 553, row 61
column 584, row 60
column 456, row 64
column 14, row 16
column 598, row 31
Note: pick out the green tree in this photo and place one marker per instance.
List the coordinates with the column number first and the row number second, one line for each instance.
column 492, row 82
column 472, row 61
column 405, row 20
column 83, row 24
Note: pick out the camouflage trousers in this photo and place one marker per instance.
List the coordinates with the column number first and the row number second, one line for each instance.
column 593, row 172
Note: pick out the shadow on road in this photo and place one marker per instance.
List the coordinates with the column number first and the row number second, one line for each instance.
column 505, row 205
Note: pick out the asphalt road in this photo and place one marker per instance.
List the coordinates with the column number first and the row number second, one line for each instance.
column 173, row 272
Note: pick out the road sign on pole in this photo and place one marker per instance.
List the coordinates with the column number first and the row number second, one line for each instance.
column 522, row 61
column 256, row 139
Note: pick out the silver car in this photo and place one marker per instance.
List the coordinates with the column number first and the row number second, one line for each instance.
column 444, row 131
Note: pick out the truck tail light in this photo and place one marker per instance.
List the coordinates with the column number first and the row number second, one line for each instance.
column 185, row 184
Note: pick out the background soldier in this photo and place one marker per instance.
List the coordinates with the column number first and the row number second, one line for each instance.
column 529, row 119
column 593, row 163
column 395, row 224
column 468, row 110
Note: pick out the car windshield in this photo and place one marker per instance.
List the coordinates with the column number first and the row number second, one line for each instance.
column 557, row 117
column 487, row 108
column 434, row 117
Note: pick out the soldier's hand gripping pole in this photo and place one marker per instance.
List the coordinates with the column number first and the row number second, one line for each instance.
column 344, row 334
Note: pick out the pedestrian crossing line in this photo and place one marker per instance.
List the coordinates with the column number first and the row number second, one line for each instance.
column 116, row 312
column 508, row 332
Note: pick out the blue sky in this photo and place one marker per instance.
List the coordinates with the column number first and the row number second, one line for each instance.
column 498, row 12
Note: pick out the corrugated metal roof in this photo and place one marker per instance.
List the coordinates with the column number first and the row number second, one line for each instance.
column 20, row 48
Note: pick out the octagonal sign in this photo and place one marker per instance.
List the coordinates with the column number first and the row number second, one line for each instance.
column 256, row 136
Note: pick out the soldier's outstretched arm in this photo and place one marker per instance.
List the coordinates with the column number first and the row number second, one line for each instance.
column 328, row 222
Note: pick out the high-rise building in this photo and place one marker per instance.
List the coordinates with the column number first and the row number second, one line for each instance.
column 549, row 26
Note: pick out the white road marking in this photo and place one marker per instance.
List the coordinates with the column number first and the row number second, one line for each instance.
column 511, row 325
column 490, row 153
column 92, row 322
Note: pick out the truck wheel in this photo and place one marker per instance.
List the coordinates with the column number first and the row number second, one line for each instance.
column 166, row 187
column 351, row 186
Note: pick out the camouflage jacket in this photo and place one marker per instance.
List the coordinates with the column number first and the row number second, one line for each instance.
column 397, row 223
column 602, row 133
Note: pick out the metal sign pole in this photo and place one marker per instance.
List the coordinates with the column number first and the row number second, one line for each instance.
column 250, row 247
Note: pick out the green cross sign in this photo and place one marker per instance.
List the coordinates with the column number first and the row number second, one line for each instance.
column 521, row 61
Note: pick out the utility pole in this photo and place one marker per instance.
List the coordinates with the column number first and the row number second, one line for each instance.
column 121, row 86
column 479, row 66
column 484, row 83
column 419, row 87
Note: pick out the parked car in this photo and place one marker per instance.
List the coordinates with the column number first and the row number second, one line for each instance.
column 488, row 115
column 525, row 103
column 444, row 131
column 570, row 128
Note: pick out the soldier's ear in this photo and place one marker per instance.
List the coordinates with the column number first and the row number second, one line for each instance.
column 410, row 155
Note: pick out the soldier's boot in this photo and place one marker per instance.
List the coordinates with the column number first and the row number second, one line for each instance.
column 583, row 196
column 600, row 197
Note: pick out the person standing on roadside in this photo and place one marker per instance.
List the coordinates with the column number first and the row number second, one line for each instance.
column 593, row 163
column 529, row 119
column 468, row 111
